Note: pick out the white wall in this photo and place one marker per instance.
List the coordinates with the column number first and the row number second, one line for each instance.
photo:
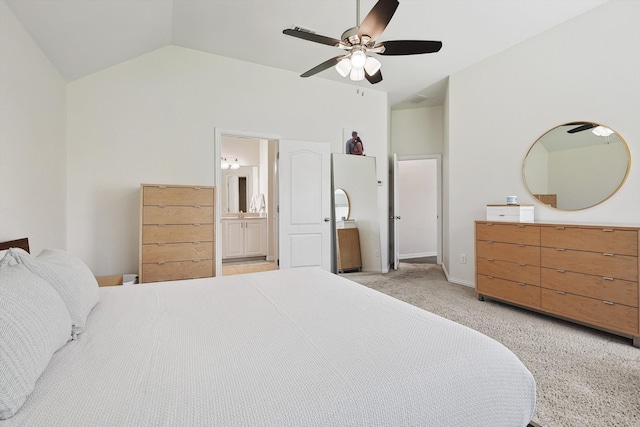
column 152, row 120
column 32, row 140
column 417, row 131
column 585, row 69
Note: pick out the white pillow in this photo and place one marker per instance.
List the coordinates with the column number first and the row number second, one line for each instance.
column 34, row 323
column 68, row 275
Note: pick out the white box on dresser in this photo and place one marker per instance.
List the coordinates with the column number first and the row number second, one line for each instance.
column 510, row 213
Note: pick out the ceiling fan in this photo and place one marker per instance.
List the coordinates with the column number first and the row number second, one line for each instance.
column 596, row 129
column 360, row 41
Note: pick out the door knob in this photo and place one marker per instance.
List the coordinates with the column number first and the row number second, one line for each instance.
column 327, row 220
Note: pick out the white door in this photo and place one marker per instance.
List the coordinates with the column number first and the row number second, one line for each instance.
column 304, row 204
column 396, row 214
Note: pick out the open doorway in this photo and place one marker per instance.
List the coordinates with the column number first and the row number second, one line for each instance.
column 417, row 212
column 246, row 238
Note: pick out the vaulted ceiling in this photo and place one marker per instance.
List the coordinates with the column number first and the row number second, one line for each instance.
column 81, row 37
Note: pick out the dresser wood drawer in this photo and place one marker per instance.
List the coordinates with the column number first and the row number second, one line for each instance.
column 177, row 270
column 177, row 252
column 610, row 240
column 517, row 253
column 153, row 233
column 597, row 264
column 605, row 314
column 529, row 274
column 508, row 233
column 515, row 292
column 177, row 215
column 177, row 195
column 601, row 288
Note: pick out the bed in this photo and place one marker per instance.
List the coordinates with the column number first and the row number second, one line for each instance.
column 297, row 347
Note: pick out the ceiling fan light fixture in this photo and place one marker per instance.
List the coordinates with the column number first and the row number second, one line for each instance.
column 356, row 74
column 344, row 67
column 358, row 59
column 601, row 131
column 372, row 65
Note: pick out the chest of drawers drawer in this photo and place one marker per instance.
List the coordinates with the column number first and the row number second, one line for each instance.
column 155, row 253
column 177, row 195
column 609, row 240
column 178, row 215
column 515, row 292
column 177, row 270
column 154, row 233
column 597, row 264
column 512, row 252
column 606, row 314
column 508, row 233
column 515, row 272
column 601, row 288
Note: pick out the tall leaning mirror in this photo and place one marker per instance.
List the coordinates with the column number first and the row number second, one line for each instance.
column 576, row 165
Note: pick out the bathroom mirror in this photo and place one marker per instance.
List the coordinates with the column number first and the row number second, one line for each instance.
column 341, row 200
column 576, row 165
column 240, row 186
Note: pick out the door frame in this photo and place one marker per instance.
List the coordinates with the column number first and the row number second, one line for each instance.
column 438, row 159
column 217, row 171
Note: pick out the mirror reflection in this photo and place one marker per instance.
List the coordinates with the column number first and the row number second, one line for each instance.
column 341, row 204
column 576, row 165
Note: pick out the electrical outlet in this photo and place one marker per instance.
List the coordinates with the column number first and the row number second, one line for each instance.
column 463, row 258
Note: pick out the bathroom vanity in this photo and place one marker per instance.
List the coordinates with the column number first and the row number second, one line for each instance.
column 244, row 235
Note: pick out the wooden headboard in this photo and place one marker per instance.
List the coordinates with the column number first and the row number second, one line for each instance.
column 18, row 243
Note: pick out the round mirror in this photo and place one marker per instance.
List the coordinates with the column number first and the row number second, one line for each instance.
column 341, row 204
column 576, row 165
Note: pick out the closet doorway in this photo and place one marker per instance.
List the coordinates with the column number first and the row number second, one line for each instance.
column 417, row 209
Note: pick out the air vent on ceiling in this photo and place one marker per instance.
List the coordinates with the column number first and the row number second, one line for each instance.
column 417, row 99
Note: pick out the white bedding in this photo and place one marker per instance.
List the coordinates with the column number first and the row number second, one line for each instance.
column 298, row 347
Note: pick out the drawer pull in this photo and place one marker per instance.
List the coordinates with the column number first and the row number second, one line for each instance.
column 489, row 242
column 160, row 262
column 160, row 225
column 560, row 249
column 521, row 264
column 162, row 187
column 609, row 302
column 196, row 243
column 501, row 215
column 489, row 277
column 608, row 230
column 196, row 188
column 195, row 260
column 607, row 254
column 489, row 224
column 196, row 225
column 559, row 228
column 561, row 292
column 607, row 278
column 160, row 243
column 560, row 271
column 196, row 206
column 521, row 245
column 161, row 206
column 522, row 284
column 490, row 259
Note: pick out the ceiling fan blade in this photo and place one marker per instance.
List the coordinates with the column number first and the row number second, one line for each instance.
column 377, row 19
column 326, row 64
column 409, row 47
column 305, row 35
column 582, row 127
column 376, row 78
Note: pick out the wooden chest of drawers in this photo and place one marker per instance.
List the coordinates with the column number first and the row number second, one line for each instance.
column 177, row 232
column 583, row 273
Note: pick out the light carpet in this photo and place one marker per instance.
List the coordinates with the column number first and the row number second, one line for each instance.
column 584, row 377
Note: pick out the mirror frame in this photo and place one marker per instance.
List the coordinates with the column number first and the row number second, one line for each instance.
column 604, row 199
